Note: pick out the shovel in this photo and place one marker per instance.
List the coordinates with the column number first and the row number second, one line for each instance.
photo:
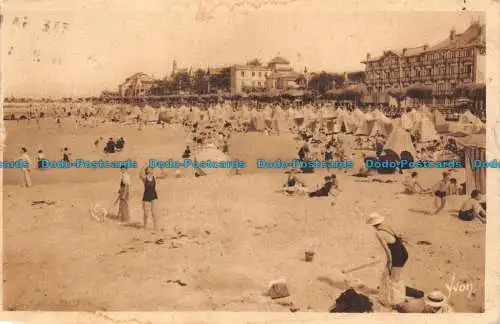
column 363, row 266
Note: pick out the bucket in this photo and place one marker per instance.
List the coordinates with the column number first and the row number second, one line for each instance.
column 309, row 256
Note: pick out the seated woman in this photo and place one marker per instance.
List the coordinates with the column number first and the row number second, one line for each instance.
column 471, row 208
column 293, row 185
column 326, row 189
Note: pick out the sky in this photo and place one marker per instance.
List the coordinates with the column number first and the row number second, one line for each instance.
column 105, row 41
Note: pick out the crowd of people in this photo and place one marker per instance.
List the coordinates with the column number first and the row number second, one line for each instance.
column 214, row 125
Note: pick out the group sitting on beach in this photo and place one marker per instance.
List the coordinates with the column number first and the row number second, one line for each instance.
column 113, row 146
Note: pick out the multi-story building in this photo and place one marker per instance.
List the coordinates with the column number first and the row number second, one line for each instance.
column 138, row 84
column 277, row 75
column 457, row 60
column 246, row 78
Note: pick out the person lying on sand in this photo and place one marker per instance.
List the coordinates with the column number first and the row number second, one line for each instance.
column 472, row 209
column 293, row 184
column 411, row 185
column 327, row 188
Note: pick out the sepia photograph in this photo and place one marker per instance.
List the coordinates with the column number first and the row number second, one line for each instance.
column 276, row 159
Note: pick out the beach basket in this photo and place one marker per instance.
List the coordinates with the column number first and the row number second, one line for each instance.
column 98, row 213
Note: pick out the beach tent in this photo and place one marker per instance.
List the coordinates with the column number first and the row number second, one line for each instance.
column 406, row 121
column 211, row 153
column 439, row 119
column 365, row 124
column 468, row 118
column 382, row 124
column 149, row 114
column 427, row 130
column 400, row 141
column 467, row 124
column 425, row 111
column 474, row 149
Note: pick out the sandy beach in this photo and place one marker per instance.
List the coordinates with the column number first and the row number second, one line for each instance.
column 222, row 240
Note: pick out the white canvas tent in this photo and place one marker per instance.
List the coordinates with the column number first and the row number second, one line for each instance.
column 468, row 124
column 365, row 124
column 382, row 124
column 149, row 114
column 427, row 130
column 399, row 141
column 439, row 118
column 211, row 153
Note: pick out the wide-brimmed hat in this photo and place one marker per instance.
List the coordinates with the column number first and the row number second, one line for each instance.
column 375, row 219
column 435, row 299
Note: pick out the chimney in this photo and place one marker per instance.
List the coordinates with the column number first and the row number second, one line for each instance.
column 426, row 47
column 368, row 56
column 404, row 51
column 453, row 33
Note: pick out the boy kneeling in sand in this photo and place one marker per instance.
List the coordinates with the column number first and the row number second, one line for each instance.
column 412, row 186
column 293, row 185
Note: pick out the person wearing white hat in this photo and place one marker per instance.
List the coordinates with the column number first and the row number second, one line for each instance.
column 435, row 302
column 393, row 245
column 392, row 287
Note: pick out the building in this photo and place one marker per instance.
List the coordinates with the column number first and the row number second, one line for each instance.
column 457, row 60
column 176, row 70
column 138, row 84
column 247, row 78
column 277, row 75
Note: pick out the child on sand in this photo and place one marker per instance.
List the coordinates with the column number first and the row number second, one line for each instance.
column 471, row 208
column 66, row 155
column 293, row 185
column 411, row 185
column 453, row 189
column 123, row 197
column 440, row 191
column 39, row 158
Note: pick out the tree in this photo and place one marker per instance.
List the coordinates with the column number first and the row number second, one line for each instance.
column 200, row 81
column 322, row 82
column 221, row 80
column 357, row 77
column 338, row 79
column 182, row 81
column 254, row 62
column 419, row 91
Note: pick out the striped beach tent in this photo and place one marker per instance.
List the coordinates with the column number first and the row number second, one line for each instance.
column 474, row 149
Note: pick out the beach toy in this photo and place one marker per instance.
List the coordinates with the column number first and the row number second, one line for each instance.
column 98, row 213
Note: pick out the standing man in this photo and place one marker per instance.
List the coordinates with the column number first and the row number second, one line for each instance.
column 26, row 167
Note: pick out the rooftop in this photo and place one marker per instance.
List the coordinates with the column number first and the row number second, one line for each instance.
column 279, row 60
column 474, row 35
